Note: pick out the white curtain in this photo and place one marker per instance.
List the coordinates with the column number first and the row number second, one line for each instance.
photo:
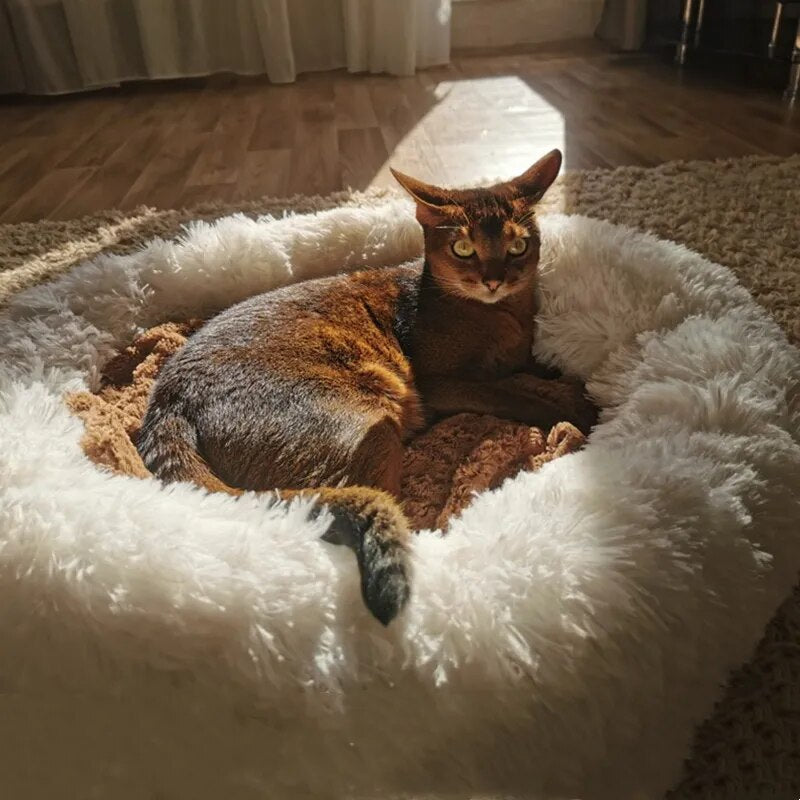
column 396, row 36
column 56, row 46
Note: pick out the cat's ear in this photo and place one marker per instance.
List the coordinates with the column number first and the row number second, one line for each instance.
column 434, row 205
column 536, row 180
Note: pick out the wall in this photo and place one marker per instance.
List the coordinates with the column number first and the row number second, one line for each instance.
column 503, row 23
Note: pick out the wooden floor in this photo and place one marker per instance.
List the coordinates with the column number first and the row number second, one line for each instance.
column 176, row 143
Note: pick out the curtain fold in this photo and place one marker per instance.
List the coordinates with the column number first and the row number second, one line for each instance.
column 12, row 79
column 275, row 36
column 395, row 37
column 57, row 46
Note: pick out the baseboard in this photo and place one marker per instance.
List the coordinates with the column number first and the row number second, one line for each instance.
column 563, row 48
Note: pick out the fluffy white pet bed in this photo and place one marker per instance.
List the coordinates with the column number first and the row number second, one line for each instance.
column 563, row 639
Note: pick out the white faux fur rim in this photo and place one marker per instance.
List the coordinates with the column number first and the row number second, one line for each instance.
column 563, row 639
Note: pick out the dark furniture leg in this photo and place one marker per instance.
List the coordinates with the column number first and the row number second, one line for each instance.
column 793, row 88
column 776, row 26
column 690, row 29
column 698, row 27
column 686, row 32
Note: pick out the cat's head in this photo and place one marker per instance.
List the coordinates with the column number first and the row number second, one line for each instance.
column 483, row 244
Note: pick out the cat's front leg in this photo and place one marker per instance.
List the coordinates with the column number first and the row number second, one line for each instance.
column 559, row 400
column 534, row 367
column 523, row 397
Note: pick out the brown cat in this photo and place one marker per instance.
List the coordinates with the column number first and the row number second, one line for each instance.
column 314, row 387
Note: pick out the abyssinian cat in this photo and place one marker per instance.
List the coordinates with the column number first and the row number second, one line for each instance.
column 313, row 388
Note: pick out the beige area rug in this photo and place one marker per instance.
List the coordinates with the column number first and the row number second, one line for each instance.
column 743, row 213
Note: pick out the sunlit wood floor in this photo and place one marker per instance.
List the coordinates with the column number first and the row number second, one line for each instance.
column 225, row 138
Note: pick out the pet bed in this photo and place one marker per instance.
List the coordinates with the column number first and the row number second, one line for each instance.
column 563, row 638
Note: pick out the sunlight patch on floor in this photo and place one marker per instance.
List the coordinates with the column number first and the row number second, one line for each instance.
column 486, row 128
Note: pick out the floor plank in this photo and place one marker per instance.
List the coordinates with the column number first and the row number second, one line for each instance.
column 360, row 149
column 47, row 194
column 314, row 165
column 165, row 176
column 265, row 172
column 220, row 160
column 110, row 182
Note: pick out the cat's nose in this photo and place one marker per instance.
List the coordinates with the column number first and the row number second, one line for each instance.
column 492, row 285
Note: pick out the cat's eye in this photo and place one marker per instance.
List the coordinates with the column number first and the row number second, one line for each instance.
column 463, row 248
column 518, row 246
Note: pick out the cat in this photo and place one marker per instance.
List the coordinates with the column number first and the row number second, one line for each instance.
column 313, row 388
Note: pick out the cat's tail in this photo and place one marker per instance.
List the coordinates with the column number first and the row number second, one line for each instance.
column 367, row 520
column 371, row 524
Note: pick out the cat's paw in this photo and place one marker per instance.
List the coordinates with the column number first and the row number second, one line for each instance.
column 545, row 403
column 583, row 412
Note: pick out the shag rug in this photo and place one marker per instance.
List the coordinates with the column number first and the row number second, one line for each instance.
column 443, row 468
column 740, row 213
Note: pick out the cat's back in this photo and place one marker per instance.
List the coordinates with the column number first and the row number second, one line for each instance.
column 338, row 300
column 295, row 365
column 295, row 329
